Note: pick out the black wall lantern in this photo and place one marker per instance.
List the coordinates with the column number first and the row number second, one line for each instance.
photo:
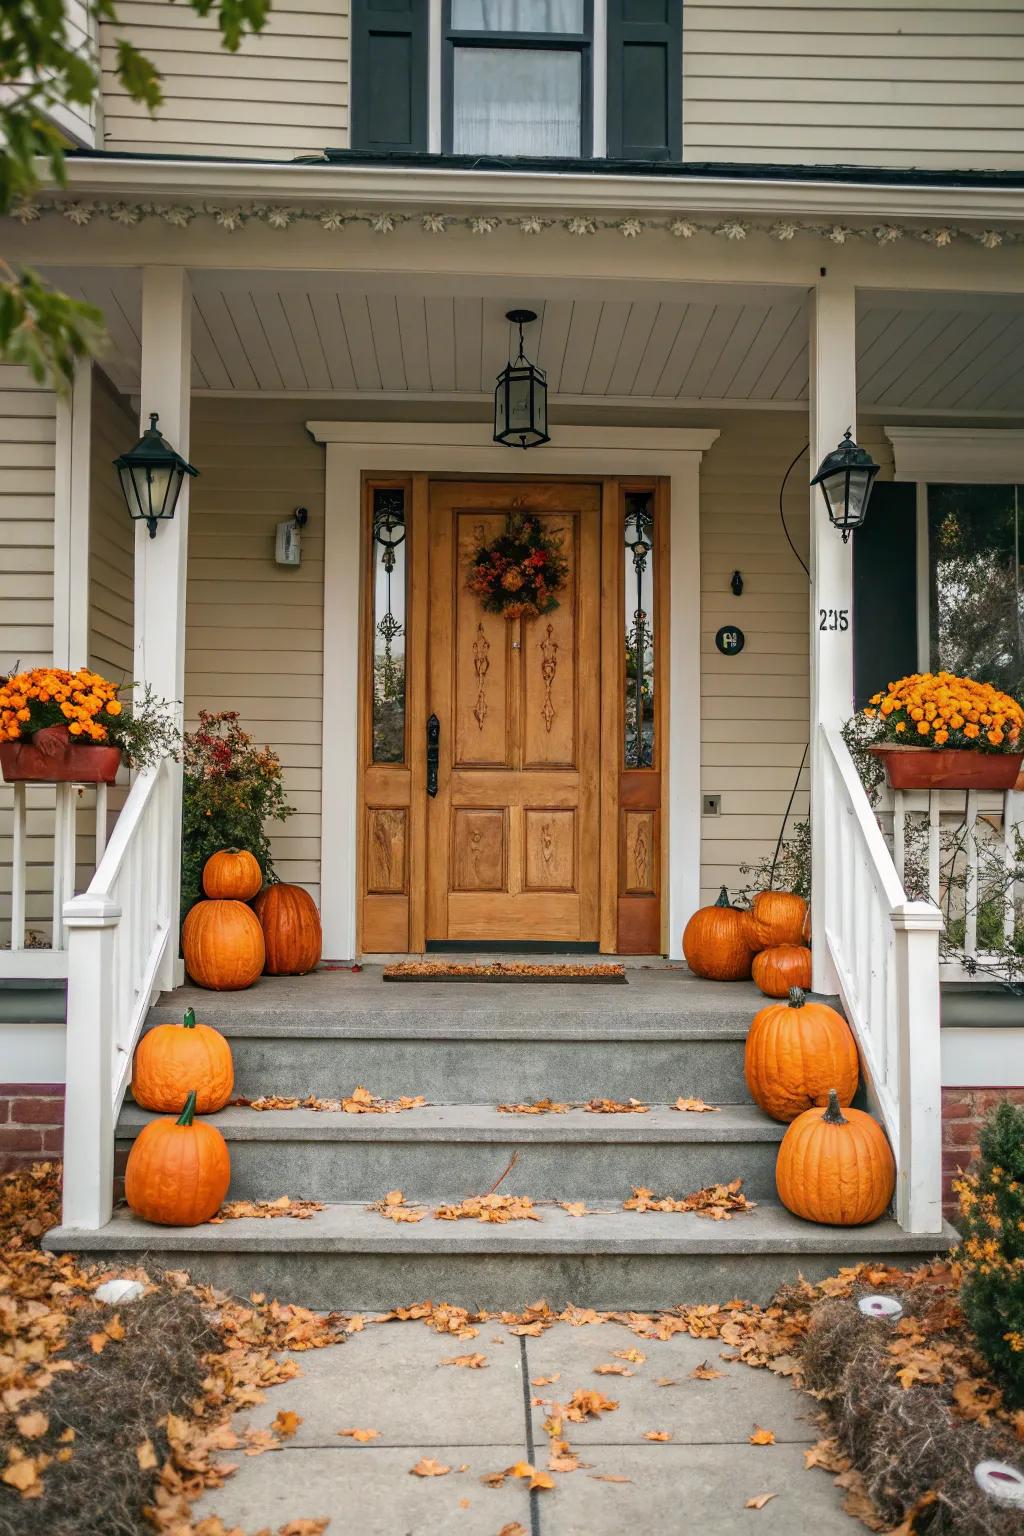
column 152, row 475
column 521, row 396
column 846, row 476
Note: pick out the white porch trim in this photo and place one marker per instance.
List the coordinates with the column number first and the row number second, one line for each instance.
column 71, row 496
column 355, row 448
column 969, row 455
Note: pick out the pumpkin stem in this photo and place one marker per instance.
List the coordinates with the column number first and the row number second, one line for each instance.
column 189, row 1021
column 723, row 898
column 833, row 1114
column 797, row 997
column 185, row 1118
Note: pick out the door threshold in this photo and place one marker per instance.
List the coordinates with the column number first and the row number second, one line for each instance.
column 483, row 956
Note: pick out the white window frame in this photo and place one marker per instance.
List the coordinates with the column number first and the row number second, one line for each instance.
column 598, row 68
column 949, row 456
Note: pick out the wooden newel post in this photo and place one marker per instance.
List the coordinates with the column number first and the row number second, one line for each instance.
column 91, row 923
column 917, row 926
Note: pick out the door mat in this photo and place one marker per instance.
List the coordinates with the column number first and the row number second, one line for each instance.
column 506, row 970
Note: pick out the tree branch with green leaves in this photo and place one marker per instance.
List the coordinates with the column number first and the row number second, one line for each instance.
column 42, row 70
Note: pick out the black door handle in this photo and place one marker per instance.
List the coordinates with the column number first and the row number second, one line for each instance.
column 433, row 753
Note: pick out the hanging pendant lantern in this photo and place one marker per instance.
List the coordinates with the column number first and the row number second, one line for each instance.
column 846, row 476
column 521, row 396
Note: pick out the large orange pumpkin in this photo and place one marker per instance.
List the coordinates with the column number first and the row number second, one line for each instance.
column 178, row 1170
column 715, row 943
column 783, row 966
column 834, row 1167
column 291, row 929
column 223, row 945
column 233, row 874
column 796, row 1051
column 171, row 1056
column 775, row 917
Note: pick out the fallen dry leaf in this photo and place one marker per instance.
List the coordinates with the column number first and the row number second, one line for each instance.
column 497, row 1208
column 427, row 1467
column 31, row 1425
column 695, row 1107
column 512, row 1529
column 545, row 1381
column 98, row 1342
column 660, row 1435
column 609, row 1477
column 363, row 1436
column 300, row 1528
column 394, row 1207
column 705, row 1372
column 614, row 1107
column 585, row 1404
column 720, row 1202
column 145, row 1455
column 760, row 1501
column 538, row 1107
column 576, row 1207
column 23, row 1475
column 286, row 1423
column 359, row 1102
column 613, row 1368
column 666, row 1381
column 634, row 1356
column 466, row 1362
column 266, row 1210
column 762, row 1436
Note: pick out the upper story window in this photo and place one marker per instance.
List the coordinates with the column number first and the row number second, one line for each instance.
column 506, row 79
column 517, row 77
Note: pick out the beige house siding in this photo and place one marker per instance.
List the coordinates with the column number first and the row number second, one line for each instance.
column 283, row 94
column 255, row 629
column 27, row 439
column 111, row 537
column 755, row 707
column 861, row 82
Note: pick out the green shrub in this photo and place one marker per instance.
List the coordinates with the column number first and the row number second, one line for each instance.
column 231, row 789
column 992, row 1251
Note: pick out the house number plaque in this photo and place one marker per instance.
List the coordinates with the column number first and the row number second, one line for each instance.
column 730, row 640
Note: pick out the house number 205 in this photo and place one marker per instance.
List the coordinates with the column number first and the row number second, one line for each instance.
column 834, row 618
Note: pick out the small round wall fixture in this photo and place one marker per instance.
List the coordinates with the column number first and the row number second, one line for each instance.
column 846, row 476
column 521, row 396
column 152, row 475
column 730, row 640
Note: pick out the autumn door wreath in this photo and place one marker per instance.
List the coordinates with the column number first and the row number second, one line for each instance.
column 518, row 573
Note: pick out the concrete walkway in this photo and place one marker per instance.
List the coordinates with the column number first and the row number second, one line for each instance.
column 390, row 1377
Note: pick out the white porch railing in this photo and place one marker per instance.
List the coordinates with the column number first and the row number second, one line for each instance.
column 26, row 958
column 984, row 826
column 121, row 953
column 885, row 953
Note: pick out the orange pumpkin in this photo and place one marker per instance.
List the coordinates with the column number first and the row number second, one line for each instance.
column 775, row 917
column 715, row 943
column 783, row 966
column 171, row 1056
column 233, row 874
column 222, row 942
column 796, row 1052
column 178, row 1170
column 834, row 1167
column 291, row 929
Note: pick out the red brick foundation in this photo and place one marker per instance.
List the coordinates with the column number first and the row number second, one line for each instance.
column 31, row 1123
column 963, row 1110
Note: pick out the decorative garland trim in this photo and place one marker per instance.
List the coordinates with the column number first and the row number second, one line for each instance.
column 281, row 216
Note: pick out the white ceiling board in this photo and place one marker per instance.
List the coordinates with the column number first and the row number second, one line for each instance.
column 439, row 333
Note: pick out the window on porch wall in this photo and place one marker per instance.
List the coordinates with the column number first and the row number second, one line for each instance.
column 389, row 597
column 976, row 620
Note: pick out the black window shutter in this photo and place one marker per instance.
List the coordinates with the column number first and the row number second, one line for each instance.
column 885, row 589
column 645, row 79
column 388, row 88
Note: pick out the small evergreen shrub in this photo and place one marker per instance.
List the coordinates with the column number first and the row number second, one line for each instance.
column 992, row 1252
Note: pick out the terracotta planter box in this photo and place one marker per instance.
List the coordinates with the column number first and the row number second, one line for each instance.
column 53, row 756
column 957, row 768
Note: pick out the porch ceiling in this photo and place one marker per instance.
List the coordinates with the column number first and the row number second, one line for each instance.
column 366, row 335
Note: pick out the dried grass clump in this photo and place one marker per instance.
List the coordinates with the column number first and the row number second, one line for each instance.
column 912, row 1450
column 112, row 1401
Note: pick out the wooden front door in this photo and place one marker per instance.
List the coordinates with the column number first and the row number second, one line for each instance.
column 513, row 837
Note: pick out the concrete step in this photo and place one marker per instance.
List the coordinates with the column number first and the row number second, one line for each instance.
column 662, row 1035
column 445, row 1151
column 347, row 1257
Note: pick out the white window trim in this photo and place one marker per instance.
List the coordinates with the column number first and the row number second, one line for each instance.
column 598, row 83
column 949, row 456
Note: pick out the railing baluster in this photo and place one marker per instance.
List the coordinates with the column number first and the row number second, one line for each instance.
column 934, row 809
column 18, row 875
column 1009, row 852
column 101, row 824
column 899, row 833
column 971, row 883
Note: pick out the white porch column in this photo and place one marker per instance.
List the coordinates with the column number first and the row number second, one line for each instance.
column 71, row 492
column 833, row 408
column 160, row 562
